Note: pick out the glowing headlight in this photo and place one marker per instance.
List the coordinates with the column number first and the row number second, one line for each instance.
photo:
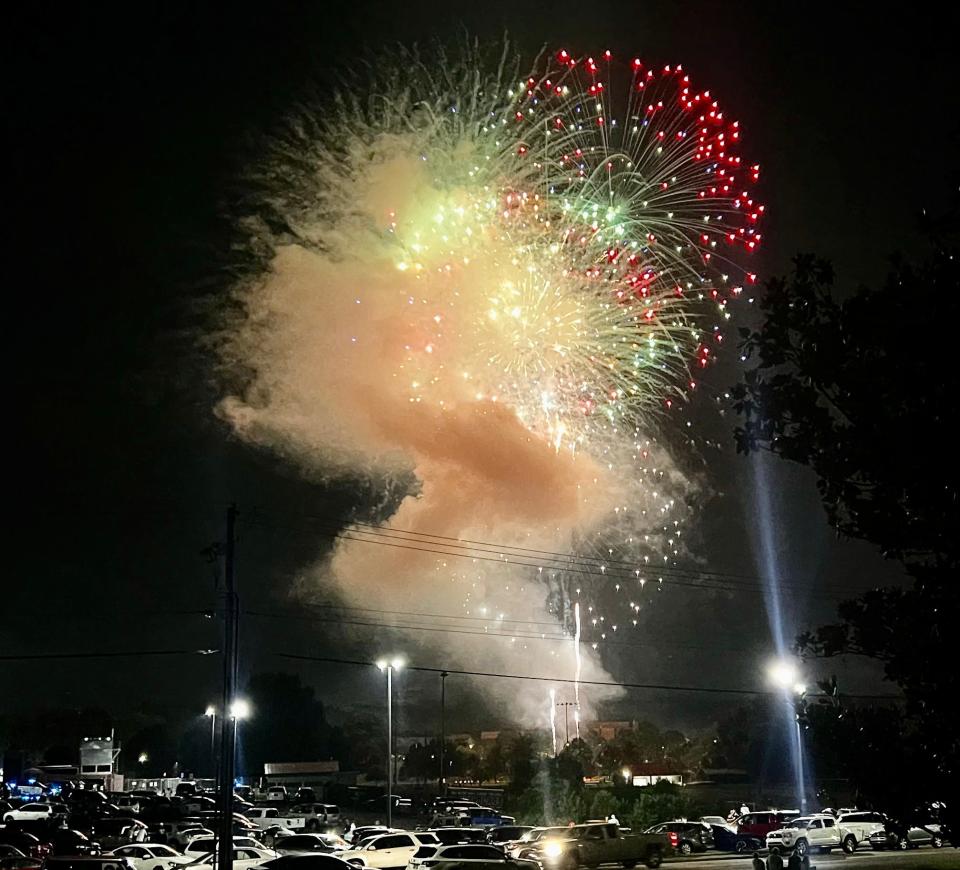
column 552, row 850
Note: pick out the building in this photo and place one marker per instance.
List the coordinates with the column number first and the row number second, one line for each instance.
column 98, row 760
column 318, row 775
column 654, row 772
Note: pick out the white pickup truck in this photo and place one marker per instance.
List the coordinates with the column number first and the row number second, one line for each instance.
column 803, row 834
column 265, row 817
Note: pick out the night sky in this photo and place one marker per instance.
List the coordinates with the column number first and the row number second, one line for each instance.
column 125, row 132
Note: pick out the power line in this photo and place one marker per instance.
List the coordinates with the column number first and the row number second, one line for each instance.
column 559, row 638
column 659, row 687
column 25, row 657
column 585, row 570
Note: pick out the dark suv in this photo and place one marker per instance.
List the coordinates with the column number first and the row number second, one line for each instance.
column 691, row 836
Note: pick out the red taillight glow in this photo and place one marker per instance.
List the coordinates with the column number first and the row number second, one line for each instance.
column 674, row 838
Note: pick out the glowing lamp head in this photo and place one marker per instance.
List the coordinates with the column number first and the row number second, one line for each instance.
column 627, row 774
column 240, row 709
column 783, row 674
column 210, row 711
column 382, row 664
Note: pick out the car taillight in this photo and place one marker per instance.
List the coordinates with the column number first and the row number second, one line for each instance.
column 674, row 839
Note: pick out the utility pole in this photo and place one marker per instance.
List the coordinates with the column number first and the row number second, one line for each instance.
column 228, row 736
column 442, row 782
column 389, row 749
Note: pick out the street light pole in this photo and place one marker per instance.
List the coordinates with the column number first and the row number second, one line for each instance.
column 442, row 782
column 389, row 667
column 211, row 714
column 566, row 722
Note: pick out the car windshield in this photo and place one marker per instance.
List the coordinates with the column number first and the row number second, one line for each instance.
column 798, row 823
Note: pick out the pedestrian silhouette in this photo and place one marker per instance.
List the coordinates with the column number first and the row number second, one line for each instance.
column 794, row 862
column 775, row 862
column 758, row 862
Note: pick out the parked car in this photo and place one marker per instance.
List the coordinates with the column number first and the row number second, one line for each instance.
column 185, row 835
column 243, row 859
column 87, row 862
column 363, row 832
column 129, row 803
column 691, row 836
column 20, row 862
column 389, row 850
column 589, row 845
column 305, row 844
column 803, row 834
column 29, row 844
column 203, row 845
column 432, row 856
column 266, row 817
column 29, row 812
column 151, row 856
column 527, row 845
column 893, row 837
column 453, row 836
column 726, row 839
column 860, row 825
column 316, row 815
column 759, row 824
column 507, row 833
column 307, row 862
column 66, row 841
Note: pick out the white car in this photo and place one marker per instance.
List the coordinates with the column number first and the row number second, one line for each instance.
column 29, row 812
column 807, row 833
column 268, row 817
column 389, row 850
column 185, row 835
column 204, row 845
column 316, row 815
column 431, row 856
column 243, row 859
column 310, row 844
column 861, row 824
column 151, row 856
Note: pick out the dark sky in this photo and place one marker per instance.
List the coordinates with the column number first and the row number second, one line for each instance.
column 124, row 130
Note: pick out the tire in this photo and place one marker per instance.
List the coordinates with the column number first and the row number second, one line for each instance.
column 740, row 847
column 654, row 857
column 937, row 841
column 801, row 847
column 685, row 848
column 849, row 844
column 903, row 844
column 629, row 864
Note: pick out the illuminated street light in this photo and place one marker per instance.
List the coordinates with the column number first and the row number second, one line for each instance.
column 143, row 758
column 394, row 664
column 240, row 709
column 785, row 675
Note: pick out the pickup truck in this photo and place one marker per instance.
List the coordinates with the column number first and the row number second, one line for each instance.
column 590, row 845
column 265, row 817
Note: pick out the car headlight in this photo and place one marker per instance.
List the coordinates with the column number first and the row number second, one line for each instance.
column 553, row 850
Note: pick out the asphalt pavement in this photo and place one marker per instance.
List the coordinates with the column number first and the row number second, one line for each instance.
column 924, row 858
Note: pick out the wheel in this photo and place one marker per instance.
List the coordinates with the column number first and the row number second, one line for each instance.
column 685, row 848
column 654, row 857
column 937, row 841
column 903, row 844
column 629, row 864
column 801, row 848
column 740, row 847
column 849, row 844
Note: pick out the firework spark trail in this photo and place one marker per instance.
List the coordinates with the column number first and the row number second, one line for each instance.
column 496, row 285
column 576, row 676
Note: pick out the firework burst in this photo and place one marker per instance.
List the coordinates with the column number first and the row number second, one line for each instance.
column 504, row 278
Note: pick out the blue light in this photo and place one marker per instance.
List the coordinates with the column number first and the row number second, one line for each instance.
column 31, row 781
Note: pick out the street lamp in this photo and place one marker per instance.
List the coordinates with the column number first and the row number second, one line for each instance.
column 239, row 709
column 211, row 714
column 785, row 675
column 389, row 666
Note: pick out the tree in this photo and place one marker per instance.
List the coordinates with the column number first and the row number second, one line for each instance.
column 860, row 391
